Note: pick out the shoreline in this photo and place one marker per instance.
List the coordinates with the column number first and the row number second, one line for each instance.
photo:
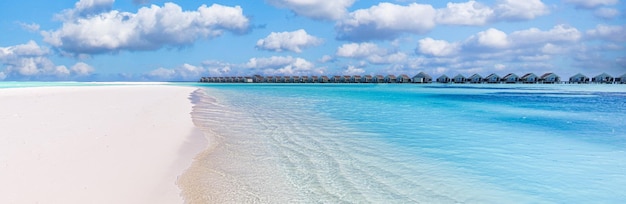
column 96, row 144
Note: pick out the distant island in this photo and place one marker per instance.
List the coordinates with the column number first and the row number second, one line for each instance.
column 511, row 78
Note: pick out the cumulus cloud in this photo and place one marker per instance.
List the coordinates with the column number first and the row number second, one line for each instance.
column 150, row 28
column 31, row 27
column 315, row 9
column 292, row 41
column 352, row 70
column 280, row 65
column 82, row 69
column 370, row 52
column 520, row 10
column 31, row 61
column 185, row 72
column 468, row 13
column 438, row 48
column 386, row 21
column 606, row 13
column 85, row 8
column 608, row 33
column 559, row 33
column 591, row 3
column 491, row 38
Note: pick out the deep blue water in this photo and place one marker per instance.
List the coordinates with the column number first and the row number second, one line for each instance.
column 427, row 143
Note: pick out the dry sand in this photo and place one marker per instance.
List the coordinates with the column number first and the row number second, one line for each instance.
column 100, row 144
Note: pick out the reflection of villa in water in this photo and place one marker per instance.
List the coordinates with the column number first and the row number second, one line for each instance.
column 493, row 78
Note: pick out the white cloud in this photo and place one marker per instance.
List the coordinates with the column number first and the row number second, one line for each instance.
column 591, row 3
column 185, row 72
column 359, row 50
column 606, row 13
column 352, row 70
column 326, row 58
column 520, row 10
column 492, row 38
column 386, row 21
column 434, row 47
column 371, row 52
column 82, row 69
column 292, row 41
column 559, row 33
column 608, row 32
column 84, row 8
column 469, row 13
column 32, row 27
column 150, row 28
column 31, row 61
column 280, row 65
column 315, row 9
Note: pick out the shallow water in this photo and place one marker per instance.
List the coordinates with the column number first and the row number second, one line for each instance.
column 339, row 143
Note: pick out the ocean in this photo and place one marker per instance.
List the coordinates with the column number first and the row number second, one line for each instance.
column 407, row 143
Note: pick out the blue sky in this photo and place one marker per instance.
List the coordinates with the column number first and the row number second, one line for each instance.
column 153, row 40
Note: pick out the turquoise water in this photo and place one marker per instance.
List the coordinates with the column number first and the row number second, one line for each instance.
column 412, row 143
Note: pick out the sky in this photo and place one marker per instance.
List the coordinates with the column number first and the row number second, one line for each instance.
column 154, row 40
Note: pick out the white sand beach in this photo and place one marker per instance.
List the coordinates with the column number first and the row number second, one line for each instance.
column 96, row 144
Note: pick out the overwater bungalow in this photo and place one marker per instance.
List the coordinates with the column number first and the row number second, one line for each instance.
column 510, row 78
column 270, row 79
column 279, row 79
column 287, row 79
column 458, row 79
column 529, row 78
column 603, row 78
column 248, row 80
column 258, row 78
column 621, row 79
column 295, row 79
column 422, row 78
column 579, row 79
column 378, row 79
column 240, row 79
column 443, row 79
column 403, row 78
column 305, row 79
column 492, row 78
column 356, row 79
column 345, row 79
column 314, row 79
column 324, row 79
column 204, row 79
column 391, row 79
column 335, row 79
column 476, row 78
column 549, row 78
column 366, row 79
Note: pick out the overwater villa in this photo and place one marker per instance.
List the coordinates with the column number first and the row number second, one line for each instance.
column 366, row 79
column 510, row 78
column 459, row 79
column 355, row 79
column 550, row 78
column 492, row 78
column 475, row 79
column 345, row 79
column 403, row 78
column 603, row 78
column 529, row 78
column 579, row 79
column 379, row 79
column 324, row 79
column 390, row 78
column 443, row 79
column 620, row 79
column 422, row 78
